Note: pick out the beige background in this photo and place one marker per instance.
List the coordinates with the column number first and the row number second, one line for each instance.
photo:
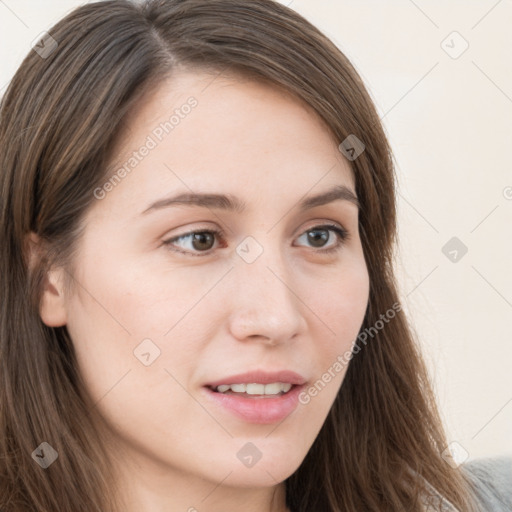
column 449, row 121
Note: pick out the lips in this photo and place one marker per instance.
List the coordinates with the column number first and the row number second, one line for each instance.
column 255, row 409
column 260, row 377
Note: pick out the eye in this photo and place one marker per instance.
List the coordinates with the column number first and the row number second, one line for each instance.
column 202, row 242
column 328, row 235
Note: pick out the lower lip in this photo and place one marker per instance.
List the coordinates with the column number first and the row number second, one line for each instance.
column 258, row 410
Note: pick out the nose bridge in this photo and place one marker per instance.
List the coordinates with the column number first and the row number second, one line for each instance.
column 264, row 303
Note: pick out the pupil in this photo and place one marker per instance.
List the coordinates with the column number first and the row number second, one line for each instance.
column 202, row 240
column 322, row 236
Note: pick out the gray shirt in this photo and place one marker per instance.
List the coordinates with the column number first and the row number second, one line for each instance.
column 493, row 479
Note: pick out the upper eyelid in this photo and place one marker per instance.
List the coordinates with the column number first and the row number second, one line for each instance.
column 316, row 224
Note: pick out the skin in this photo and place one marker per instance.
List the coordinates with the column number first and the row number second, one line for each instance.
column 295, row 307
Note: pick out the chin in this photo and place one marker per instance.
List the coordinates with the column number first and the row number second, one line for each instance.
column 267, row 471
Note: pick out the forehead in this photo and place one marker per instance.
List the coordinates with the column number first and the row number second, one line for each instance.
column 237, row 96
column 203, row 130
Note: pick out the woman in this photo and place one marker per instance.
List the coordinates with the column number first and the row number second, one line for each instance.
column 199, row 308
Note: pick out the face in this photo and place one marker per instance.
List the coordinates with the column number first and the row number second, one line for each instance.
column 208, row 259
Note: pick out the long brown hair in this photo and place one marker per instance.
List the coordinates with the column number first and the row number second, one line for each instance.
column 59, row 120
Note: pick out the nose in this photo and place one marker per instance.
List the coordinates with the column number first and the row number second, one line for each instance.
column 264, row 304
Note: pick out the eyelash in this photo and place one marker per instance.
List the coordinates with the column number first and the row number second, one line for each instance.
column 341, row 233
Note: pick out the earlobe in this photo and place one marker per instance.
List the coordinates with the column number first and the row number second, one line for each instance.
column 52, row 305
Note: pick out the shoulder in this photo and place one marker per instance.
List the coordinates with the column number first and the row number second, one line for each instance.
column 492, row 478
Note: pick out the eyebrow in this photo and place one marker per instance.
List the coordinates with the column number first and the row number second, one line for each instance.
column 232, row 203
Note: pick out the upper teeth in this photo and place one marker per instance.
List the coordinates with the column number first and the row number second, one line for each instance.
column 256, row 389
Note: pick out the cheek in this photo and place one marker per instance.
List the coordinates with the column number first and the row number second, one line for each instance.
column 124, row 315
column 340, row 302
column 136, row 297
column 124, row 309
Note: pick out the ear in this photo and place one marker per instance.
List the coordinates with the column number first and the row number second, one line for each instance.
column 52, row 304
